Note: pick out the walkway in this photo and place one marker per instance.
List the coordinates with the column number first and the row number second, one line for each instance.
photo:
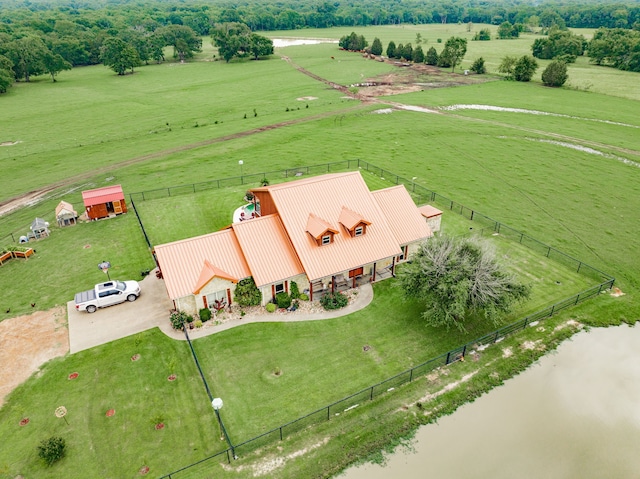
column 361, row 301
column 151, row 310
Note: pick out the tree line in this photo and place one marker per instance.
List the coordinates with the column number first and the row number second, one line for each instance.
column 292, row 14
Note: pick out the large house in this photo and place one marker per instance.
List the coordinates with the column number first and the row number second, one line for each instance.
column 326, row 233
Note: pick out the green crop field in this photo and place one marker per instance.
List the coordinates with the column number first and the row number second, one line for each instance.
column 562, row 166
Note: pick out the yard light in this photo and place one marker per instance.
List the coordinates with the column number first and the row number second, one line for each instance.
column 240, row 162
column 413, row 182
column 217, row 405
column 104, row 266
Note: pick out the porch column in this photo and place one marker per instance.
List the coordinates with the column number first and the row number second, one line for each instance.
column 393, row 267
column 373, row 276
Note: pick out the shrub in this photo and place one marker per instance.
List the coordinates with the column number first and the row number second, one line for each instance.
column 555, row 74
column 247, row 293
column 198, row 323
column 295, row 292
column 270, row 307
column 303, row 297
column 249, row 196
column 478, row 66
column 205, row 314
column 334, row 301
column 177, row 319
column 52, row 449
column 283, row 300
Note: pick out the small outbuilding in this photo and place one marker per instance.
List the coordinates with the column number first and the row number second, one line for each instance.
column 39, row 229
column 104, row 202
column 433, row 216
column 65, row 214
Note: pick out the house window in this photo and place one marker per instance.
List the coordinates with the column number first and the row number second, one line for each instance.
column 279, row 288
column 217, row 300
column 326, row 239
column 359, row 231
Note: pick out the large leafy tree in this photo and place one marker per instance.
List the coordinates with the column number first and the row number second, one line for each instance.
column 54, row 64
column 459, row 279
column 454, row 51
column 117, row 55
column 232, row 39
column 260, row 46
column 184, row 40
column 6, row 73
column 27, row 54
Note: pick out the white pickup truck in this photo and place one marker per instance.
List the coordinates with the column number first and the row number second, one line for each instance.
column 107, row 294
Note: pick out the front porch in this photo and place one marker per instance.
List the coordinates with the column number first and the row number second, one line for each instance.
column 352, row 279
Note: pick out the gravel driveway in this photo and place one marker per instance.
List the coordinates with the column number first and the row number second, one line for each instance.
column 151, row 309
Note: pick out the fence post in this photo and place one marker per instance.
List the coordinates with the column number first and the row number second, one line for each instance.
column 577, row 299
column 553, row 308
column 13, row 238
column 281, row 433
column 194, row 187
column 411, row 375
column 371, row 397
column 579, row 266
column 228, row 460
column 521, row 235
column 448, row 355
column 548, row 250
column 464, row 350
column 472, row 212
column 143, row 196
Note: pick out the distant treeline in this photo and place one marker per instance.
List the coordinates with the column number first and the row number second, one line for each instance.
column 49, row 36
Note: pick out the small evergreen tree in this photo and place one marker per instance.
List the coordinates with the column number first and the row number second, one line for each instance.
column 407, row 52
column 478, row 66
column 555, row 74
column 418, row 55
column 52, row 449
column 391, row 49
column 399, row 51
column 431, row 58
column 376, row 47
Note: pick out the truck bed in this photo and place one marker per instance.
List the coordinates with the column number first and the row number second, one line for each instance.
column 85, row 296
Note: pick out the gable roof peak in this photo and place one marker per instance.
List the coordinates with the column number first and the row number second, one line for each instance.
column 317, row 227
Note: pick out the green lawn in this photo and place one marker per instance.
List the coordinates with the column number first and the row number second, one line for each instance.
column 116, row 446
column 101, row 129
column 67, row 262
column 238, row 370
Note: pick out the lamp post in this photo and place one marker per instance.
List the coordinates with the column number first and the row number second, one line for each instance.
column 413, row 182
column 217, row 405
column 240, row 162
column 104, row 266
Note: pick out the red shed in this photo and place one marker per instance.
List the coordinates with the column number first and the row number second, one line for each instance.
column 103, row 202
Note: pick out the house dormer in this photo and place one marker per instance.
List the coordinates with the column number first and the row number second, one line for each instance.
column 354, row 222
column 320, row 230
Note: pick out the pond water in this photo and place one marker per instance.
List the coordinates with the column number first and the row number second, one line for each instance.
column 574, row 414
column 288, row 42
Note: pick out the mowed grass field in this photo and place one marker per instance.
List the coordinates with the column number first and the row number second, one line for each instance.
column 103, row 130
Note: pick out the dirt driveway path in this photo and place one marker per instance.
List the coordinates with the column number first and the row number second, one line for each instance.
column 27, row 342
column 116, row 322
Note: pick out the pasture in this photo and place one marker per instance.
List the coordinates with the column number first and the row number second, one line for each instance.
column 569, row 180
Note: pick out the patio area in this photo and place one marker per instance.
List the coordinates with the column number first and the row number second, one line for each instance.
column 245, row 212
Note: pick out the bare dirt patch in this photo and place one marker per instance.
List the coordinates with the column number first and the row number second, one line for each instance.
column 27, row 342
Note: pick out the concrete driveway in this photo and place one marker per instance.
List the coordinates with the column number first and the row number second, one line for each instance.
column 151, row 309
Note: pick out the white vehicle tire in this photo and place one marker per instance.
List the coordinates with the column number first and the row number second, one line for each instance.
column 132, row 297
column 91, row 308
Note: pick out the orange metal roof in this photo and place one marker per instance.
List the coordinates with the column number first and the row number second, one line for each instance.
column 326, row 196
column 99, row 196
column 350, row 219
column 404, row 218
column 267, row 249
column 429, row 211
column 182, row 261
column 209, row 272
column 316, row 226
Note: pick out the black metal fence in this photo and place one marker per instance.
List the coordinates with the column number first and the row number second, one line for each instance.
column 253, row 180
column 351, row 402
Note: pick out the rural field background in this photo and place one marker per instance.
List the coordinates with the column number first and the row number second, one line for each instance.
column 568, row 177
